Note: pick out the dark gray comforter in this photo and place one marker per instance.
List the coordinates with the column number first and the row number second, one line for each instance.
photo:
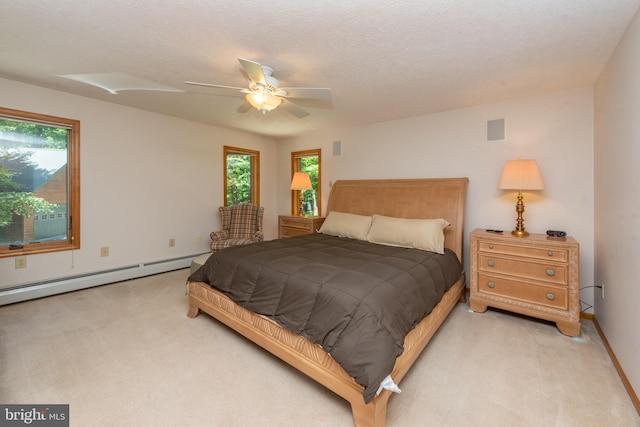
column 356, row 299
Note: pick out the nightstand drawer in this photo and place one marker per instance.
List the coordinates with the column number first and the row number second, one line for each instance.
column 294, row 231
column 291, row 224
column 551, row 296
column 524, row 268
column 560, row 255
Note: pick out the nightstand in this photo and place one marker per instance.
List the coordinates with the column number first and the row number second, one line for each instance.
column 289, row 226
column 537, row 276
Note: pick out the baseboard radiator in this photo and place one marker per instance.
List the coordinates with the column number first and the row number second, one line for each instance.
column 73, row 283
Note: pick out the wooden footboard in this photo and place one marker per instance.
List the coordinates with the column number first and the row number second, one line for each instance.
column 310, row 358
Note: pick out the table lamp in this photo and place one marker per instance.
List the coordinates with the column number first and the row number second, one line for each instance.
column 522, row 174
column 301, row 182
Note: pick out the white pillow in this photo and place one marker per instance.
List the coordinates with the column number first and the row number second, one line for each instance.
column 425, row 234
column 346, row 225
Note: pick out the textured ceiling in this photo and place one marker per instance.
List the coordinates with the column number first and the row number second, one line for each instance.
column 383, row 60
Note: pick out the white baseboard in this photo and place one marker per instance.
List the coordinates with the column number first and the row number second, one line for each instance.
column 74, row 283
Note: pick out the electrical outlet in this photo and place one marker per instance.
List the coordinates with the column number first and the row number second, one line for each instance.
column 104, row 251
column 198, row 239
column 602, row 289
column 21, row 262
column 172, row 243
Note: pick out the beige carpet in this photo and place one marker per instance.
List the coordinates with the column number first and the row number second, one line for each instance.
column 126, row 355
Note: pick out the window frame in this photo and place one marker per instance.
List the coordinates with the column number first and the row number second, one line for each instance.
column 73, row 184
column 255, row 171
column 295, row 167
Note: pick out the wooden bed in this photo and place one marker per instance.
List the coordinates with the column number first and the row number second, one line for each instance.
column 404, row 198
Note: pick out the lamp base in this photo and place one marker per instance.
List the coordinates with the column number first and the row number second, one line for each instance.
column 300, row 208
column 520, row 233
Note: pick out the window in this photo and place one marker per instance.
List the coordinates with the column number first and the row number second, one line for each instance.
column 307, row 161
column 39, row 183
column 241, row 176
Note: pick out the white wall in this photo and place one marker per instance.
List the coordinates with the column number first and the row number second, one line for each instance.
column 556, row 130
column 145, row 178
column 617, row 196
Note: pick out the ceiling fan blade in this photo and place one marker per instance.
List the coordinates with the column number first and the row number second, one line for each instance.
column 292, row 108
column 307, row 92
column 254, row 71
column 244, row 107
column 212, row 85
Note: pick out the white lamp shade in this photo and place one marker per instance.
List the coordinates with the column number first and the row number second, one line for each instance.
column 521, row 174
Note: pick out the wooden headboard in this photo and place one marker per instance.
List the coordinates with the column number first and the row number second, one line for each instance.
column 406, row 198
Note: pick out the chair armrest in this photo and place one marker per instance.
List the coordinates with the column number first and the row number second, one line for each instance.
column 219, row 235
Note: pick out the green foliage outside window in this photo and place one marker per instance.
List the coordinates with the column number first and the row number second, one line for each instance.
column 18, row 173
column 309, row 164
column 238, row 179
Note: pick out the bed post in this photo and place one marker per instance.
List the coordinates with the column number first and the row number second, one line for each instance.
column 372, row 415
column 194, row 310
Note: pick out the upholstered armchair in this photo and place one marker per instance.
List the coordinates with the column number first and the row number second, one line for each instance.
column 241, row 225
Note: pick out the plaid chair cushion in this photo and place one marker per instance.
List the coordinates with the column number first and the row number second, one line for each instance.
column 245, row 221
column 221, row 244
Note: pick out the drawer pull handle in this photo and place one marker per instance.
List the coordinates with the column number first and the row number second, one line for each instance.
column 550, row 253
column 550, row 296
column 491, row 285
column 491, row 263
column 550, row 272
column 490, row 246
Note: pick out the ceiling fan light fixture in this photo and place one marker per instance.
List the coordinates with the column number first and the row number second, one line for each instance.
column 264, row 93
column 263, row 101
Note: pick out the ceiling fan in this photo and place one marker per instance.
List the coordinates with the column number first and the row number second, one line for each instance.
column 265, row 94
